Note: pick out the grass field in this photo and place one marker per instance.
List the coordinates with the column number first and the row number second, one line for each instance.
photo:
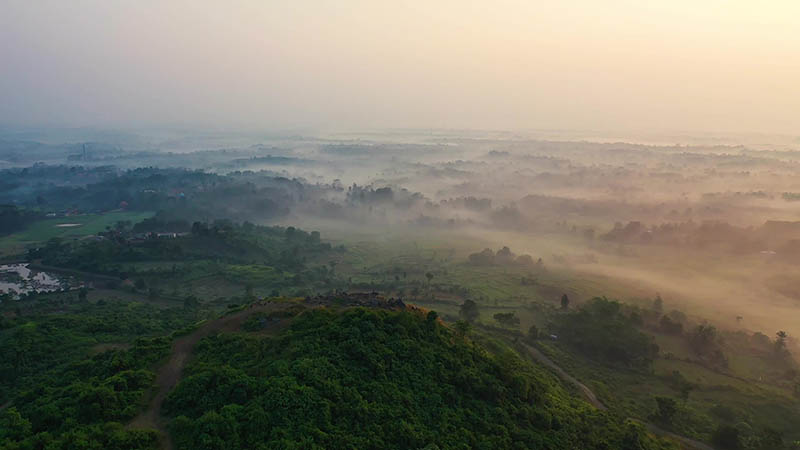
column 87, row 224
column 398, row 262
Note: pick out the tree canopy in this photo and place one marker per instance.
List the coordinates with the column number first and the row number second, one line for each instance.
column 377, row 379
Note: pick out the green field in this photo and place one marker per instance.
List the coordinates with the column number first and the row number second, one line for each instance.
column 46, row 229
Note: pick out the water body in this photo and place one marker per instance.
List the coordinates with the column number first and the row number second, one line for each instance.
column 19, row 279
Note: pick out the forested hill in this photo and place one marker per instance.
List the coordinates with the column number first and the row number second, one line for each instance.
column 379, row 379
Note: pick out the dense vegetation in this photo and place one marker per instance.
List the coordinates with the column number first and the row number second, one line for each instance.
column 84, row 404
column 221, row 240
column 601, row 330
column 36, row 341
column 14, row 219
column 163, row 263
column 377, row 379
column 181, row 193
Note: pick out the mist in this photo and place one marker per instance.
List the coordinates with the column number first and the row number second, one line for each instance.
column 711, row 227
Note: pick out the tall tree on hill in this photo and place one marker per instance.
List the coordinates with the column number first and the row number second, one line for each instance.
column 429, row 276
column 469, row 311
column 658, row 303
column 780, row 343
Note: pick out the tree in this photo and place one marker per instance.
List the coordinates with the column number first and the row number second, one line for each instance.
column 564, row 301
column 13, row 425
column 600, row 330
column 533, row 333
column 485, row 257
column 681, row 384
column 769, row 438
column 469, row 311
column 677, row 316
column 658, row 304
column 780, row 343
column 666, row 408
column 507, row 319
column 200, row 229
column 524, row 260
column 462, row 328
column 432, row 316
column 726, row 437
column 191, row 302
column 703, row 338
column 429, row 276
column 670, row 326
column 504, row 256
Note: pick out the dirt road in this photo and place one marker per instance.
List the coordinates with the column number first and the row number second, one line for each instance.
column 686, row 442
column 169, row 374
column 587, row 393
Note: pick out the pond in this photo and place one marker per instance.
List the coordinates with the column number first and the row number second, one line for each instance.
column 18, row 279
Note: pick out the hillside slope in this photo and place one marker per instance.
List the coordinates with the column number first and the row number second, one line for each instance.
column 378, row 379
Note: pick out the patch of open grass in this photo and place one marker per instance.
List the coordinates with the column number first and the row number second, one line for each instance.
column 88, row 224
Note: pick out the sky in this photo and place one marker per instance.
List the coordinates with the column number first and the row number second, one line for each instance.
column 731, row 66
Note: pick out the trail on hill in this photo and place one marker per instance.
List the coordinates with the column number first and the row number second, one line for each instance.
column 587, row 393
column 590, row 396
column 170, row 372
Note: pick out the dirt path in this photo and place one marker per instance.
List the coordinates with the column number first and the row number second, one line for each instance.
column 587, row 393
column 169, row 374
column 592, row 398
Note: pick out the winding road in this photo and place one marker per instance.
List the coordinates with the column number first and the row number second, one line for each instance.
column 545, row 361
column 590, row 396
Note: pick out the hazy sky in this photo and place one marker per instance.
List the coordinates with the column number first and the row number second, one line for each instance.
column 500, row 64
